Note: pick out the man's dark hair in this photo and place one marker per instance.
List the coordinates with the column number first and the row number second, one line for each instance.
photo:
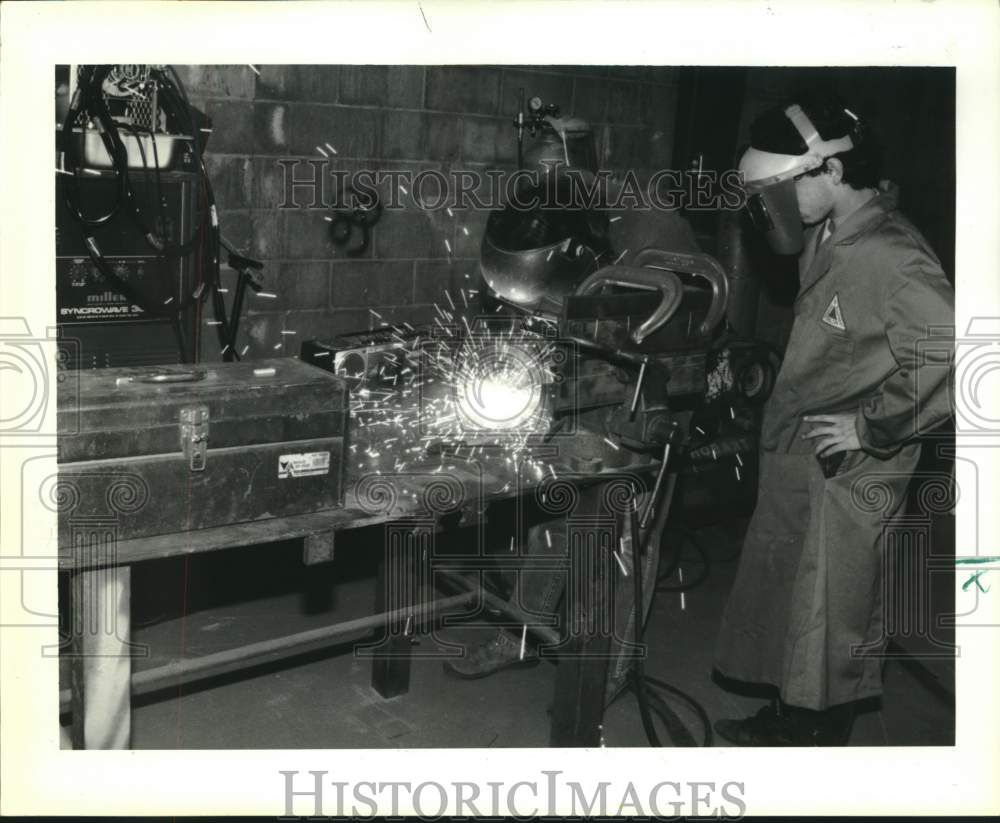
column 774, row 132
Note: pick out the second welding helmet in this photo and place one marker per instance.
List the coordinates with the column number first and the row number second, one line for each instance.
column 769, row 179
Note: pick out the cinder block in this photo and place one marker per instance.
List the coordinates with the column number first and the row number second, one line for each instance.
column 217, row 81
column 623, row 103
column 262, row 334
column 463, row 89
column 667, row 75
column 346, row 321
column 628, row 72
column 371, row 283
column 579, row 71
column 415, row 136
column 489, row 140
column 310, row 84
column 308, row 325
column 302, row 286
column 384, row 86
column 590, row 99
column 271, row 128
column 308, row 237
column 414, row 233
column 268, row 228
column 237, row 230
column 623, row 148
column 352, row 132
column 416, row 316
column 658, row 105
column 432, row 278
column 552, row 88
column 232, row 131
column 659, row 152
column 470, row 225
column 232, row 179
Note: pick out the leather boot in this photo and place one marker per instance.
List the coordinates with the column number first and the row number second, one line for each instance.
column 778, row 724
column 495, row 655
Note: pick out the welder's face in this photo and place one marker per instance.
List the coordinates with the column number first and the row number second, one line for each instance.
column 815, row 195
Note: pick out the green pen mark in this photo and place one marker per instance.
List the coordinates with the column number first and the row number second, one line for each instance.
column 975, row 561
column 975, row 579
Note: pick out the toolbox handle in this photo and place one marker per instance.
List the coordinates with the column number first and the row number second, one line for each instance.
column 665, row 282
column 171, row 376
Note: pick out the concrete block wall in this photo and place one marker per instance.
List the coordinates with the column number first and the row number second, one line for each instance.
column 381, row 117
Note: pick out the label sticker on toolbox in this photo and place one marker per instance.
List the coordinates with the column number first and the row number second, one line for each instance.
column 305, row 464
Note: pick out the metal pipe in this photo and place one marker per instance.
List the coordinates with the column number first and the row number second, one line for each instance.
column 266, row 651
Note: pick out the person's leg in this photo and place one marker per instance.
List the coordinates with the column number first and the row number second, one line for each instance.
column 832, row 635
column 537, row 590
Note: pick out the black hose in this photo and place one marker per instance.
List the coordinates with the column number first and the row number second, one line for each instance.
column 649, row 701
column 706, row 564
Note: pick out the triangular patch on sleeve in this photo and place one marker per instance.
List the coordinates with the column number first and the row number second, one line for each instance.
column 832, row 315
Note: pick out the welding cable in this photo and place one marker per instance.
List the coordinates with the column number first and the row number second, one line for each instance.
column 227, row 328
column 644, row 686
column 703, row 556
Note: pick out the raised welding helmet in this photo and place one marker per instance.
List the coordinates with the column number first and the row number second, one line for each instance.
column 563, row 143
column 769, row 178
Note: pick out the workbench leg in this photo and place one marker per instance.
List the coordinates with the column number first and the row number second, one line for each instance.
column 100, row 662
column 581, row 677
column 398, row 589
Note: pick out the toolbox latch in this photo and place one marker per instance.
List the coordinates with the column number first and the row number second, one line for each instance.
column 194, row 436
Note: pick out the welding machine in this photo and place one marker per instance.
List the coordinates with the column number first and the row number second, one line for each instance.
column 137, row 230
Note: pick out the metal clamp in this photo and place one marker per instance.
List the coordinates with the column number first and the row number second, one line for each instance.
column 666, row 282
column 701, row 265
column 194, row 436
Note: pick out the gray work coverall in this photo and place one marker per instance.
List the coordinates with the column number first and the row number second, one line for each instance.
column 807, row 592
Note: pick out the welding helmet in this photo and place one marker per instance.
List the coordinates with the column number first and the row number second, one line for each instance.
column 563, row 143
column 534, row 257
column 769, row 178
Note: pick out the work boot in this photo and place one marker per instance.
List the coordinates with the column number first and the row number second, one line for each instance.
column 768, row 727
column 779, row 724
column 495, row 655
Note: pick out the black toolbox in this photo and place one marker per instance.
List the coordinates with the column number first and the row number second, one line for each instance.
column 157, row 450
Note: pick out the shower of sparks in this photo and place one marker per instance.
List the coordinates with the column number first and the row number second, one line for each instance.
column 469, row 394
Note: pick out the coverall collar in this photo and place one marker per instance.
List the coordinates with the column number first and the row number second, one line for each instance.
column 867, row 216
column 815, row 262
